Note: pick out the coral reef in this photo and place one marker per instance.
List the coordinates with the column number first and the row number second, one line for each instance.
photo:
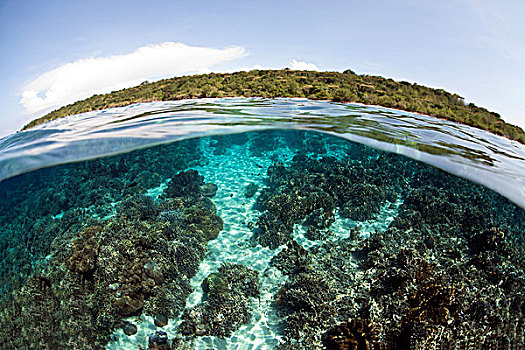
column 293, row 259
column 433, row 289
column 357, row 334
column 53, row 202
column 84, row 252
column 226, row 302
column 307, row 301
column 250, row 190
column 137, row 262
column 158, row 340
column 87, row 247
column 185, row 183
column 129, row 328
column 137, row 207
column 309, row 190
column 441, row 269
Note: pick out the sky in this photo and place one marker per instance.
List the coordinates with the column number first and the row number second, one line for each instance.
column 53, row 53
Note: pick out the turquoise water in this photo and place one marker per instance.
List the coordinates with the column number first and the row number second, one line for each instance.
column 303, row 230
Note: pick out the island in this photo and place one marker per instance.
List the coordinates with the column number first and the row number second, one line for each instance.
column 333, row 86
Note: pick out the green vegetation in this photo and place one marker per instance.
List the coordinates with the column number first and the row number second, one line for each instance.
column 339, row 87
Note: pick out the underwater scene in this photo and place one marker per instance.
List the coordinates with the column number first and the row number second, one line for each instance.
column 270, row 239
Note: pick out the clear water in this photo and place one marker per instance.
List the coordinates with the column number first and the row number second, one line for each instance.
column 323, row 227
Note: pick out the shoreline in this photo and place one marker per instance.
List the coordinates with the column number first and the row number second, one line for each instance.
column 346, row 87
column 25, row 128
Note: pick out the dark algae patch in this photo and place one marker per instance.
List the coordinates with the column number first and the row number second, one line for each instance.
column 338, row 87
column 364, row 250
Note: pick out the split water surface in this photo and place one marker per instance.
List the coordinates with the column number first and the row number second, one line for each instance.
column 260, row 224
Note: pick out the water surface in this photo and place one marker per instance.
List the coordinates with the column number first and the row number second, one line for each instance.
column 480, row 156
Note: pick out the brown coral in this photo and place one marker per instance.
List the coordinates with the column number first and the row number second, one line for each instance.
column 85, row 251
column 128, row 305
column 432, row 302
column 358, row 334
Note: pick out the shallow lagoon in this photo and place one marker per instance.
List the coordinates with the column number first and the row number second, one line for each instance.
column 269, row 239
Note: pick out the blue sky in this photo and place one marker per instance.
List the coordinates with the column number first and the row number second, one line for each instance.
column 53, row 52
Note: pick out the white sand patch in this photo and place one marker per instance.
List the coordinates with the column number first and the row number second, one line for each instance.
column 232, row 172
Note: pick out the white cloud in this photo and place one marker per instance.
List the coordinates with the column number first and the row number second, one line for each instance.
column 300, row 65
column 254, row 67
column 83, row 78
